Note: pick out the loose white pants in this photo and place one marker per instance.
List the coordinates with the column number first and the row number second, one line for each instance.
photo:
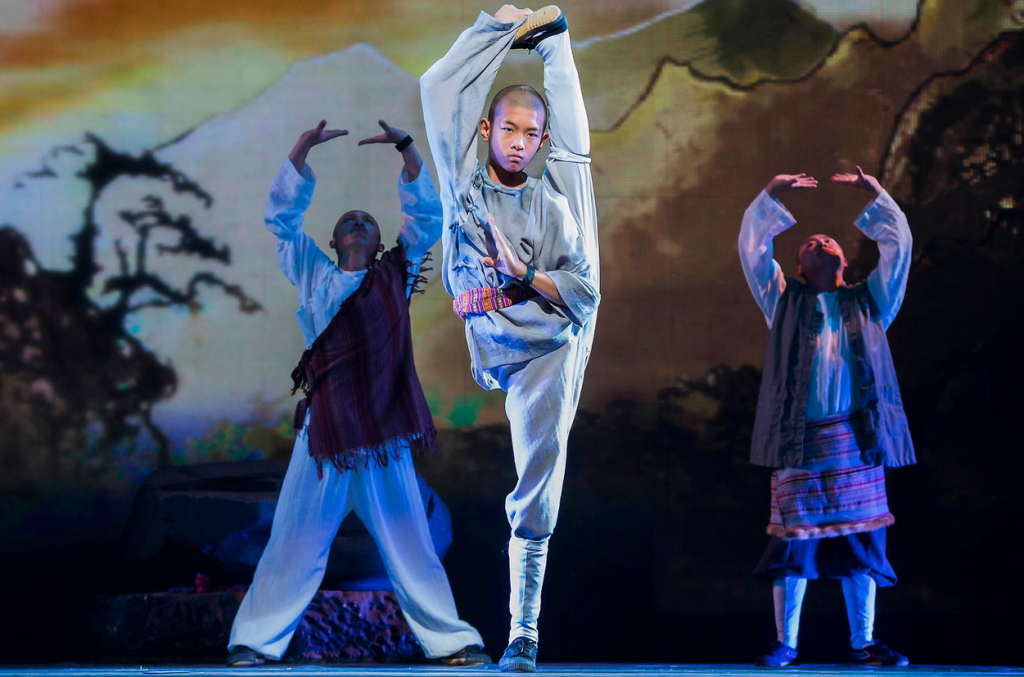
column 309, row 512
column 543, row 393
column 541, row 401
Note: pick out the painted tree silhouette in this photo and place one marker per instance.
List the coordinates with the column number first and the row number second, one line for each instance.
column 76, row 383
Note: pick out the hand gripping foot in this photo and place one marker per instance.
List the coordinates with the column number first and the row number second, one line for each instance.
column 543, row 23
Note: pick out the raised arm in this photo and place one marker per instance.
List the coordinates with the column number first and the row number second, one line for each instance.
column 454, row 91
column 300, row 259
column 421, row 207
column 765, row 218
column 885, row 223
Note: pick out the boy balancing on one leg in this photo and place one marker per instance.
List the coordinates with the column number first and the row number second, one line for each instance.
column 829, row 414
column 363, row 417
column 520, row 258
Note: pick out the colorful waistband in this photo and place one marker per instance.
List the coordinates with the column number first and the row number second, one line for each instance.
column 485, row 299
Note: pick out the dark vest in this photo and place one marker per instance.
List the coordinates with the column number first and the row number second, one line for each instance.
column 360, row 379
column 778, row 437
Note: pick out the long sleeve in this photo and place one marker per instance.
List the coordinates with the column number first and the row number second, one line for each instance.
column 421, row 214
column 421, row 219
column 764, row 219
column 302, row 262
column 885, row 223
column 569, row 259
column 322, row 286
column 454, row 91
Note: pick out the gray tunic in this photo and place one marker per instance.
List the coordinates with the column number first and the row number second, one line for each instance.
column 538, row 219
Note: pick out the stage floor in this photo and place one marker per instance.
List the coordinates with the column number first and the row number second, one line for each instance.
column 605, row 669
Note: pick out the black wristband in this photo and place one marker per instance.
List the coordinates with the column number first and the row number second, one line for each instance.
column 404, row 143
column 528, row 278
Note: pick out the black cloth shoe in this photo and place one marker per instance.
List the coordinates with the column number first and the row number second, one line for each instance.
column 878, row 655
column 778, row 655
column 470, row 655
column 520, row 656
column 543, row 23
column 244, row 657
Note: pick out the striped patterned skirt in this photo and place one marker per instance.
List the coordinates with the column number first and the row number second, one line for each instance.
column 832, row 493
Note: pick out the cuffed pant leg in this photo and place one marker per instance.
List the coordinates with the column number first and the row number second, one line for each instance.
column 527, row 560
column 309, row 511
column 387, row 500
column 788, row 595
column 541, row 404
column 859, row 591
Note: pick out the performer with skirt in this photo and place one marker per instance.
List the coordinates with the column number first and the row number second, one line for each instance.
column 830, row 418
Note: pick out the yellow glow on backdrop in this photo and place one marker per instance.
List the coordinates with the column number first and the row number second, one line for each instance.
column 693, row 105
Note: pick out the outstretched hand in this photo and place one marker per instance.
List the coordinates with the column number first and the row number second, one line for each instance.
column 859, row 180
column 510, row 14
column 784, row 182
column 394, row 135
column 308, row 139
column 391, row 135
column 505, row 261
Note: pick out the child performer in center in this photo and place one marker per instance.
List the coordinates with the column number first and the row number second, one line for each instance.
column 521, row 261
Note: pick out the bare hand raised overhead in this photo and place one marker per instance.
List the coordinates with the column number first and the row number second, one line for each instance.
column 859, row 180
column 390, row 135
column 784, row 182
column 308, row 139
column 394, row 135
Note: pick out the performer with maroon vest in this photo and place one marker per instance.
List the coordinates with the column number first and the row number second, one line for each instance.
column 362, row 420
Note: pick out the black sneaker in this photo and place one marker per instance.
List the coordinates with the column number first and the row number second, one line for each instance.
column 778, row 655
column 470, row 655
column 878, row 655
column 520, row 656
column 244, row 657
column 543, row 23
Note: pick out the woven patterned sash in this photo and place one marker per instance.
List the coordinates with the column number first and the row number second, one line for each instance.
column 833, row 493
column 481, row 300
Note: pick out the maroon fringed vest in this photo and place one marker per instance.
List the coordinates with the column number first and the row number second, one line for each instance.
column 360, row 380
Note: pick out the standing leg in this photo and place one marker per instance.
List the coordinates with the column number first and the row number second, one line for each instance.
column 541, row 403
column 788, row 594
column 859, row 591
column 387, row 500
column 527, row 561
column 292, row 566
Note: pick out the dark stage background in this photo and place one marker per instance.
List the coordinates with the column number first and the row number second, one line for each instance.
column 144, row 323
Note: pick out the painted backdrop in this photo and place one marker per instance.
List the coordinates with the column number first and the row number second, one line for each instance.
column 143, row 320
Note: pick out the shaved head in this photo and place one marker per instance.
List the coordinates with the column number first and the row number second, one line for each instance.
column 356, row 239
column 519, row 96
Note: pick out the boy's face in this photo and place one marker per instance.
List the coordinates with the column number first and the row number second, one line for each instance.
column 356, row 232
column 515, row 137
column 820, row 253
